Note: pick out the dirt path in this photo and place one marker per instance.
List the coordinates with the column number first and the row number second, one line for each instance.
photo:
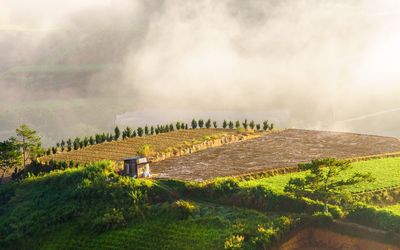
column 282, row 149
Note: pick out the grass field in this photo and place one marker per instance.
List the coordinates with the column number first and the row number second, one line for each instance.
column 386, row 171
column 118, row 150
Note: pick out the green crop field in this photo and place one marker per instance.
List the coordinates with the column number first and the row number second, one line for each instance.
column 386, row 171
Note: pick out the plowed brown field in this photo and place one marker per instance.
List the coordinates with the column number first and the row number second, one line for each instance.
column 280, row 149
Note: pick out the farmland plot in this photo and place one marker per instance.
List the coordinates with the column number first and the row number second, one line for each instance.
column 281, row 149
column 118, row 150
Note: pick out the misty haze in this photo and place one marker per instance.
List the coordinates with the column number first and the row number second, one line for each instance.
column 78, row 65
column 200, row 124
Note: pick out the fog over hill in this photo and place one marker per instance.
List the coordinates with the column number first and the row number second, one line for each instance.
column 74, row 67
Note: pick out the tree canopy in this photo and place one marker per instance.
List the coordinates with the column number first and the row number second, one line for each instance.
column 29, row 143
column 10, row 156
column 325, row 180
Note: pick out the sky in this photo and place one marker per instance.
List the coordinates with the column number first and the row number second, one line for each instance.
column 328, row 65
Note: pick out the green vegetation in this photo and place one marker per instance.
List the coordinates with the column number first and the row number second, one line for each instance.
column 394, row 208
column 94, row 207
column 325, row 181
column 386, row 172
column 10, row 156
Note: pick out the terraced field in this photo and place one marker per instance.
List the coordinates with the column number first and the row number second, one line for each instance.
column 280, row 149
column 118, row 150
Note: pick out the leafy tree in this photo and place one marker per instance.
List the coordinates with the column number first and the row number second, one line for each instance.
column 128, row 132
column 265, row 125
column 178, row 125
column 157, row 130
column 76, row 143
column 58, row 144
column 123, row 135
column 48, row 152
column 225, row 124
column 152, row 130
column 194, row 124
column 117, row 133
column 103, row 137
column 171, row 127
column 258, row 126
column 201, row 123
column 140, row 131
column 237, row 124
column 186, row 126
column 85, row 141
column 325, row 181
column 69, row 143
column 231, row 125
column 54, row 150
column 91, row 140
column 245, row 124
column 183, row 126
column 134, row 133
column 252, row 124
column 271, row 127
column 10, row 156
column 62, row 144
column 29, row 143
column 208, row 123
column 146, row 130
column 215, row 124
column 110, row 137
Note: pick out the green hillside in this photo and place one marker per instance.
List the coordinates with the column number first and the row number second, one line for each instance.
column 93, row 208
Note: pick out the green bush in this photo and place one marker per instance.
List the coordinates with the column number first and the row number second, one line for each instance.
column 378, row 218
column 182, row 209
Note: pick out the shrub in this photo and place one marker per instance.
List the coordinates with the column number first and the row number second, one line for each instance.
column 182, row 209
column 145, row 150
column 234, row 242
column 371, row 216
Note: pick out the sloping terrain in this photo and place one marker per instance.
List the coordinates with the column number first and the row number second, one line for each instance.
column 281, row 149
column 118, row 150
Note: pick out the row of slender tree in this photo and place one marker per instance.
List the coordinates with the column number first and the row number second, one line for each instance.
column 128, row 132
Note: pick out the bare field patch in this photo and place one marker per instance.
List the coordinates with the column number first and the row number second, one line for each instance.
column 275, row 150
